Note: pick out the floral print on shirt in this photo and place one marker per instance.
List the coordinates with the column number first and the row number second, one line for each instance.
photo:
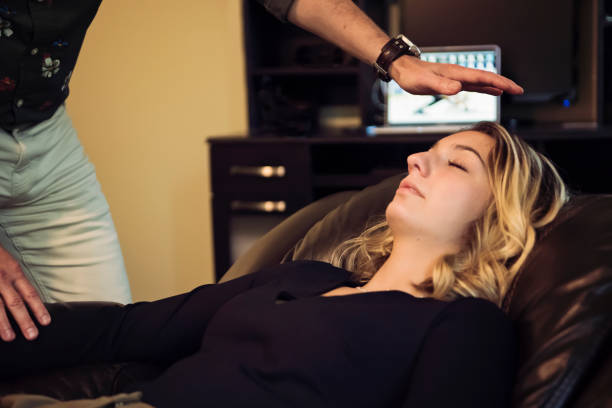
column 50, row 66
column 39, row 45
column 7, row 84
column 45, row 105
column 4, row 9
column 5, row 28
column 60, row 43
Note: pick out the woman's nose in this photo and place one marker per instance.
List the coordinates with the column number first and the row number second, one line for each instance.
column 417, row 163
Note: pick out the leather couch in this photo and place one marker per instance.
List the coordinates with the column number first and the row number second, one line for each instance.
column 560, row 302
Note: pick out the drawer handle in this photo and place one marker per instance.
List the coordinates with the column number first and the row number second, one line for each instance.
column 258, row 171
column 259, row 206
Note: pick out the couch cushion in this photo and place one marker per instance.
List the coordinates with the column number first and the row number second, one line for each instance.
column 83, row 381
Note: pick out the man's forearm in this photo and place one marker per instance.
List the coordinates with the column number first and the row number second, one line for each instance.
column 342, row 23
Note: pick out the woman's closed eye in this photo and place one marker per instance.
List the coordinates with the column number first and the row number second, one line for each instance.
column 457, row 164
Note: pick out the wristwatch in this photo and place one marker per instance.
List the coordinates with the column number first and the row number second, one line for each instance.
column 392, row 50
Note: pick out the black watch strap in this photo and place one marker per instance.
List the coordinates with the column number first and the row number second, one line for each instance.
column 392, row 50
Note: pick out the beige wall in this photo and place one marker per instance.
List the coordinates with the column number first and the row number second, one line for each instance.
column 154, row 79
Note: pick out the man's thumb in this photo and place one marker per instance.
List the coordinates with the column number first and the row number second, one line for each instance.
column 450, row 87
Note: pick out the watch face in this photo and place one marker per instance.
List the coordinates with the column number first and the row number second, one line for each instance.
column 404, row 39
column 411, row 46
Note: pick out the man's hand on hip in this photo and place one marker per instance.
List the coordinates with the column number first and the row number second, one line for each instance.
column 15, row 293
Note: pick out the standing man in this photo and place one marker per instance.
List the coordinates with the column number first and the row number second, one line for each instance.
column 57, row 239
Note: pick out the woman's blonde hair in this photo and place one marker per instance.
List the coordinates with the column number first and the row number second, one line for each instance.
column 528, row 193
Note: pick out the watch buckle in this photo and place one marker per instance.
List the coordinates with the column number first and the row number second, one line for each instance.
column 382, row 74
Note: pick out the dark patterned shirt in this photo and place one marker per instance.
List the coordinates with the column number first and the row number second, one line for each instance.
column 40, row 41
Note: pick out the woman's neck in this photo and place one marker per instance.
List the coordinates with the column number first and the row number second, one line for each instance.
column 409, row 264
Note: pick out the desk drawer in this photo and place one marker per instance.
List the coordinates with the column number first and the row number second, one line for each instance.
column 259, row 168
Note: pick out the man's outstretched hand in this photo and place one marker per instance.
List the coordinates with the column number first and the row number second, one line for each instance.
column 421, row 77
column 15, row 292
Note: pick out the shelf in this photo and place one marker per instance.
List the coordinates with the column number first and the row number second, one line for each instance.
column 290, row 71
column 352, row 181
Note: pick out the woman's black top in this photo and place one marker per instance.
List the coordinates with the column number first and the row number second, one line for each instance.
column 269, row 340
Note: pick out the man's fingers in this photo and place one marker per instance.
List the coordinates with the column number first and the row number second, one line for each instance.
column 477, row 77
column 29, row 294
column 441, row 86
column 431, row 84
column 6, row 332
column 17, row 307
column 483, row 89
column 448, row 87
column 15, row 291
column 430, row 78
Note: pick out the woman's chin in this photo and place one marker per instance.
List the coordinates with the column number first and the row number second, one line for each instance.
column 399, row 217
column 401, row 205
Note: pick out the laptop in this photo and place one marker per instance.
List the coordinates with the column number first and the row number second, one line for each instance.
column 407, row 113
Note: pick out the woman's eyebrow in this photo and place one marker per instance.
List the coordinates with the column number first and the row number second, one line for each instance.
column 464, row 147
column 470, row 149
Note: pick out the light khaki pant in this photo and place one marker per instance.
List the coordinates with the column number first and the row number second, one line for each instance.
column 54, row 219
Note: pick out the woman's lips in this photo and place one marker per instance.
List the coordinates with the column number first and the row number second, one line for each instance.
column 411, row 188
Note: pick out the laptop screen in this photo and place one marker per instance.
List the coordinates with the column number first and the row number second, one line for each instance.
column 465, row 107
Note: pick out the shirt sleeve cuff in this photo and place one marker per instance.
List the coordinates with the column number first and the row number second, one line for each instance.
column 278, row 8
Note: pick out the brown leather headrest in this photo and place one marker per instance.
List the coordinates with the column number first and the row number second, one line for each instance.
column 561, row 302
column 345, row 221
